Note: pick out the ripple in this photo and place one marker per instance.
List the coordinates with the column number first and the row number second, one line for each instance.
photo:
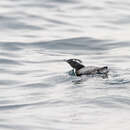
column 15, row 23
column 12, row 46
column 77, row 44
column 45, row 103
column 8, row 55
column 36, row 85
column 110, row 102
column 9, row 62
column 8, row 82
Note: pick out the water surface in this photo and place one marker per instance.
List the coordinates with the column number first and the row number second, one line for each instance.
column 37, row 92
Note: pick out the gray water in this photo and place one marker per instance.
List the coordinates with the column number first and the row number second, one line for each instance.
column 36, row 90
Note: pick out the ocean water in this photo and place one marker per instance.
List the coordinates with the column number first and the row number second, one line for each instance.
column 36, row 90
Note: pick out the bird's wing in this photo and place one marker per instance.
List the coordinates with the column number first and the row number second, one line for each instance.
column 93, row 70
column 88, row 70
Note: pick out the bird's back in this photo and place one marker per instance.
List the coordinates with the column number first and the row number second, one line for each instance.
column 92, row 70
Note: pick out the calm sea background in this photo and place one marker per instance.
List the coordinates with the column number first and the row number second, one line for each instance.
column 36, row 90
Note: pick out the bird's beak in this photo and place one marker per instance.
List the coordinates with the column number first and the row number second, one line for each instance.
column 65, row 60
